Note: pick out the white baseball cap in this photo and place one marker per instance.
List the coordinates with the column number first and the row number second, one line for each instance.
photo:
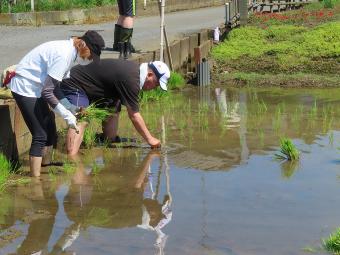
column 162, row 72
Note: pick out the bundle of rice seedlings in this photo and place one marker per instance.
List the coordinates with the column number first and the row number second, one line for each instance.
column 332, row 243
column 288, row 150
column 93, row 113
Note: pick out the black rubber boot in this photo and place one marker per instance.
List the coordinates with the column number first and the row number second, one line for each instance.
column 121, row 47
column 117, row 33
column 127, row 50
column 126, row 35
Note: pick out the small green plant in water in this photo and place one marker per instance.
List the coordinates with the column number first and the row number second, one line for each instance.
column 5, row 171
column 287, row 150
column 176, row 81
column 332, row 243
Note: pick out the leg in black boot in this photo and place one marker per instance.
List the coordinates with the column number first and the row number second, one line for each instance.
column 127, row 50
column 121, row 47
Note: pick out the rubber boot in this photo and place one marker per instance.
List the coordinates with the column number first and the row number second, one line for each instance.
column 117, row 31
column 35, row 166
column 127, row 50
column 121, row 46
column 125, row 36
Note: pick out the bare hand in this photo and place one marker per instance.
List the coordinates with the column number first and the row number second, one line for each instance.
column 154, row 143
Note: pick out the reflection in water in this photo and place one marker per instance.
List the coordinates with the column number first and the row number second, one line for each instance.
column 288, row 168
column 137, row 196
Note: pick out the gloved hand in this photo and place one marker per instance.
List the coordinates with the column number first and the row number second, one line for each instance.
column 70, row 119
column 71, row 107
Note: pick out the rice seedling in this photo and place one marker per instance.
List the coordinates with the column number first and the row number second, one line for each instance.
column 69, row 167
column 5, row 171
column 89, row 138
column 332, row 243
column 96, row 169
column 314, row 110
column 261, row 107
column 309, row 249
column 331, row 138
column 288, row 150
column 92, row 112
column 176, row 81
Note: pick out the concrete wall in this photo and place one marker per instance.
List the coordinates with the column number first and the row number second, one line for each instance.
column 99, row 14
column 15, row 138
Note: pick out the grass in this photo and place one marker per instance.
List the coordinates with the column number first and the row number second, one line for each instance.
column 288, row 47
column 54, row 5
column 332, row 243
column 5, row 171
column 288, row 150
column 294, row 48
column 299, row 79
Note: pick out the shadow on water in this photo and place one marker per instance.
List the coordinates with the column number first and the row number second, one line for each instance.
column 228, row 194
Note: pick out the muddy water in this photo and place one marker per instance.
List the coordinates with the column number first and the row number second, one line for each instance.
column 215, row 188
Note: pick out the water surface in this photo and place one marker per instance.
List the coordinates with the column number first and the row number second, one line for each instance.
column 214, row 188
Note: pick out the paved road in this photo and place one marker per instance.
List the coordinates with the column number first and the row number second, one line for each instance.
column 15, row 42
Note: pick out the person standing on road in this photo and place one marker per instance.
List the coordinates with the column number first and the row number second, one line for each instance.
column 113, row 82
column 124, row 28
column 35, row 87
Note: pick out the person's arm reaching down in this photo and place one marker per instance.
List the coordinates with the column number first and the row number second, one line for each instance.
column 138, row 122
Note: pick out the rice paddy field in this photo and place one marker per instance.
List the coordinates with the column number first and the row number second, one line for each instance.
column 215, row 187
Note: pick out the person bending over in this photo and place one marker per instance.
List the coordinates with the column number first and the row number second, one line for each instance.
column 116, row 82
column 35, row 87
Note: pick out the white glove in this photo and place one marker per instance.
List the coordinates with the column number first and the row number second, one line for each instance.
column 71, row 107
column 70, row 119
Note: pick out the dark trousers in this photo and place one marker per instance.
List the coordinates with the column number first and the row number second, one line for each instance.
column 40, row 120
column 127, row 7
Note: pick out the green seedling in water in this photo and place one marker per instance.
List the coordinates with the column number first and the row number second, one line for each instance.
column 69, row 167
column 309, row 249
column 288, row 150
column 314, row 110
column 5, row 171
column 331, row 138
column 89, row 138
column 176, row 81
column 332, row 243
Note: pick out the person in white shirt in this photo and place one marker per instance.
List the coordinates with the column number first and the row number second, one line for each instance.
column 35, row 87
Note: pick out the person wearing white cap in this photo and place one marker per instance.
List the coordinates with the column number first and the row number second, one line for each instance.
column 112, row 83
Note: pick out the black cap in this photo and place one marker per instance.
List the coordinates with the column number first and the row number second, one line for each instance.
column 94, row 42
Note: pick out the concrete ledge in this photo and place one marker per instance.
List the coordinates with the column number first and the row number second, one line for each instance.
column 98, row 14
